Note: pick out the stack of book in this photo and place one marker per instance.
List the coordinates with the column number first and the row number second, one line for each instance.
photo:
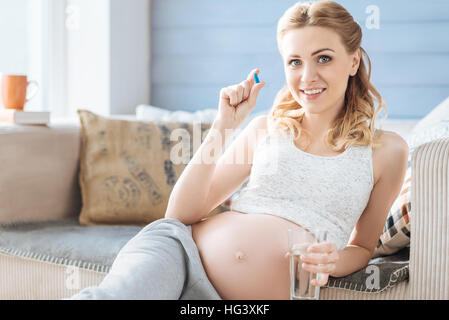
column 25, row 117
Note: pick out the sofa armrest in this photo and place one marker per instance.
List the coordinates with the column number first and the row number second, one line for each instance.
column 429, row 243
column 39, row 172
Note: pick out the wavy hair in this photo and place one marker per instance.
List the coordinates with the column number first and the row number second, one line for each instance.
column 351, row 125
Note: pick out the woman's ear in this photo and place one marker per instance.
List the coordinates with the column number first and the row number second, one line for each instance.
column 355, row 63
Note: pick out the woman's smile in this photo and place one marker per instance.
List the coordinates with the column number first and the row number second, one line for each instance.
column 312, row 94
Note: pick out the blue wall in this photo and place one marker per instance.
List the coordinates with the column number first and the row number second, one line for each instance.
column 200, row 46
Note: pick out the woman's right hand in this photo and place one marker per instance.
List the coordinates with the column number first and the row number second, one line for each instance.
column 237, row 101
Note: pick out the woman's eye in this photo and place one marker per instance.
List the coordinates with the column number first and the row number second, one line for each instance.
column 324, row 59
column 294, row 64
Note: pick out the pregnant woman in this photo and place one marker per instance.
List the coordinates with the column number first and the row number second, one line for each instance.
column 314, row 161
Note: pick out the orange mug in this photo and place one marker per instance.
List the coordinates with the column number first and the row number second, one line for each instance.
column 14, row 91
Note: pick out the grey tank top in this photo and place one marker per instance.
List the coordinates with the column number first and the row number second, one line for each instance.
column 313, row 191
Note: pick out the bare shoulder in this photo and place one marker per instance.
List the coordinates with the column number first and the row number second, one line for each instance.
column 391, row 155
column 257, row 126
column 260, row 122
column 391, row 142
column 254, row 132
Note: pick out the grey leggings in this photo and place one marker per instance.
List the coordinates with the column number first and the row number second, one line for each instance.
column 160, row 262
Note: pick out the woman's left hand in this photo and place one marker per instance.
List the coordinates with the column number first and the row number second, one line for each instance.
column 321, row 258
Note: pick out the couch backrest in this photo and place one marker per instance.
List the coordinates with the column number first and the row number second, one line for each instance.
column 39, row 172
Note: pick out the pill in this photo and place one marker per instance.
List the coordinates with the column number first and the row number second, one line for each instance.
column 256, row 77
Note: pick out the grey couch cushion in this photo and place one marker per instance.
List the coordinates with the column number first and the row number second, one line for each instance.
column 95, row 248
column 66, row 242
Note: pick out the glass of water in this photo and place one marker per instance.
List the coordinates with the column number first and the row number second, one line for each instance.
column 298, row 242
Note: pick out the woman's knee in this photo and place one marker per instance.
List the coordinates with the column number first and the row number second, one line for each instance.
column 161, row 234
column 171, row 225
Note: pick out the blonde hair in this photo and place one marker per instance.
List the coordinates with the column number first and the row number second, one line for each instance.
column 350, row 127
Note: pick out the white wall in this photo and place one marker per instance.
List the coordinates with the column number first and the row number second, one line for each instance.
column 35, row 59
column 108, row 56
column 14, row 36
column 88, row 56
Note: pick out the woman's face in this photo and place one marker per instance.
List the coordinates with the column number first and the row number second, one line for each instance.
column 317, row 68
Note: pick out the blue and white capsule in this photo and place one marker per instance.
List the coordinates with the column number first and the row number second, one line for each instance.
column 256, row 77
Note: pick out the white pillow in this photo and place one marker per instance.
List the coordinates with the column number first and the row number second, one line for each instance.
column 440, row 112
column 150, row 113
column 401, row 126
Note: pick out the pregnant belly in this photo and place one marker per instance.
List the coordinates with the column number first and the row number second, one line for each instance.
column 243, row 254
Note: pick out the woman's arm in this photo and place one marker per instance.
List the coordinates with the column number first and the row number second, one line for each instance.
column 369, row 227
column 191, row 190
column 190, row 196
column 393, row 155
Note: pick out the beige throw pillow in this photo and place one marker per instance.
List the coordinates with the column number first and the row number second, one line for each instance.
column 126, row 173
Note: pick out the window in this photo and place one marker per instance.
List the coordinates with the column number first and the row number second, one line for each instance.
column 31, row 43
column 83, row 54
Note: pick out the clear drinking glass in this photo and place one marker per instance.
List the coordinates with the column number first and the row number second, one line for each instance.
column 298, row 242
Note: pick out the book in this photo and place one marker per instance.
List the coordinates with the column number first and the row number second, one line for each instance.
column 24, row 117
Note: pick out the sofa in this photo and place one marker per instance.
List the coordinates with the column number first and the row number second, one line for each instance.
column 46, row 254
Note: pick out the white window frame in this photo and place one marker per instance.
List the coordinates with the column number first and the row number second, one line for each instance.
column 47, row 58
column 57, row 27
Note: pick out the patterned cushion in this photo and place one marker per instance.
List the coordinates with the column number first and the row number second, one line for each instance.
column 396, row 233
column 129, row 168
